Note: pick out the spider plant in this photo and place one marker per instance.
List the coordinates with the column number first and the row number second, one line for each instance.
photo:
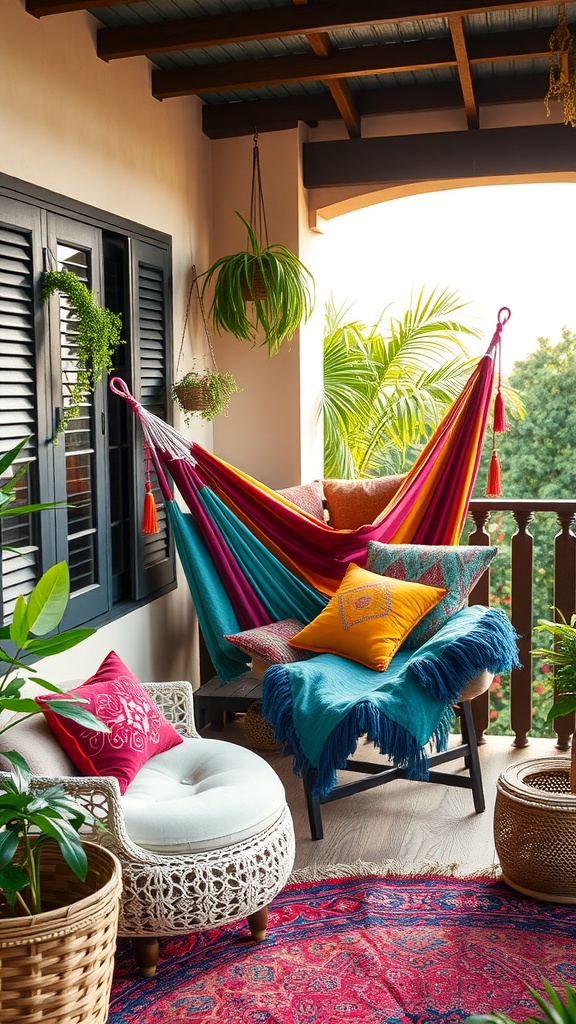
column 261, row 294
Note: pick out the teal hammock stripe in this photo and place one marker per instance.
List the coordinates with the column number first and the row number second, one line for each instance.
column 280, row 591
column 215, row 613
column 284, row 594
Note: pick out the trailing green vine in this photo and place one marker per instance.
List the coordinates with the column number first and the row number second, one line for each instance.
column 97, row 337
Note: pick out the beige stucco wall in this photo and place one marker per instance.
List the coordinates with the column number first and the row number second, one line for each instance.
column 92, row 131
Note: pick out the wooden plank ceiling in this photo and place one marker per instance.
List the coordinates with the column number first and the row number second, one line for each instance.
column 268, row 64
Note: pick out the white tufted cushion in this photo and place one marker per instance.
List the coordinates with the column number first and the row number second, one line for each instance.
column 201, row 795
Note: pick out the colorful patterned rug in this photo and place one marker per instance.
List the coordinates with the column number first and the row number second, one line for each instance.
column 361, row 950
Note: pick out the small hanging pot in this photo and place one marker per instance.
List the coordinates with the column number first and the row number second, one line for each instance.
column 254, row 289
column 193, row 396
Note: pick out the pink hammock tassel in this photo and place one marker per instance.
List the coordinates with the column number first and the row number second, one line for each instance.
column 494, row 487
column 500, row 421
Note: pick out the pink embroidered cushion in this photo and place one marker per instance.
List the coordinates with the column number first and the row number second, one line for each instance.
column 137, row 728
column 270, row 643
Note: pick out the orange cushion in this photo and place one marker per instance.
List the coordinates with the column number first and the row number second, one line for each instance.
column 368, row 618
column 354, row 503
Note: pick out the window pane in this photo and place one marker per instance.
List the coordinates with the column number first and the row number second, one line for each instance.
column 78, row 439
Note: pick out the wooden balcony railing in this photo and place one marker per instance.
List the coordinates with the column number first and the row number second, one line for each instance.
column 521, row 577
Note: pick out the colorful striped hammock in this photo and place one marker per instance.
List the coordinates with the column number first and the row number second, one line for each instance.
column 252, row 557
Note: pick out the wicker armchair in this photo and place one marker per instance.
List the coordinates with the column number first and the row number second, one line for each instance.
column 170, row 893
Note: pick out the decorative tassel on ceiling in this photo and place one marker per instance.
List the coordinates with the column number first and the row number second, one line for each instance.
column 563, row 70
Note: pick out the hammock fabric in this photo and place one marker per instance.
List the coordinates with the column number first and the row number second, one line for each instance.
column 252, row 557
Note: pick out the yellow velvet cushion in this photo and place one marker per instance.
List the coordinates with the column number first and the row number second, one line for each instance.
column 353, row 503
column 368, row 618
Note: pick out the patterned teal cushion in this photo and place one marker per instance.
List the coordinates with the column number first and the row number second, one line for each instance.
column 456, row 568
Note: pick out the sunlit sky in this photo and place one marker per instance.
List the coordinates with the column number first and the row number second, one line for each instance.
column 499, row 245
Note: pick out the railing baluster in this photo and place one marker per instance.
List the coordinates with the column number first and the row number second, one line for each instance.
column 480, row 595
column 522, row 546
column 564, row 599
column 522, row 551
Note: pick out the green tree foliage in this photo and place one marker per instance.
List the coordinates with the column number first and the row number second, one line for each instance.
column 387, row 386
column 537, row 454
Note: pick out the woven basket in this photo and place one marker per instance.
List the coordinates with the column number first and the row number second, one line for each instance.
column 257, row 730
column 56, row 967
column 255, row 288
column 193, row 398
column 535, row 829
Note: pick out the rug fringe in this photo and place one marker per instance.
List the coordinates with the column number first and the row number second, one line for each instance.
column 359, row 868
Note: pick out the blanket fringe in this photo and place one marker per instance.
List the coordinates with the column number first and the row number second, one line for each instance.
column 490, row 645
column 390, row 868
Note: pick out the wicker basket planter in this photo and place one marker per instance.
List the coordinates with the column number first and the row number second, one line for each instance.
column 258, row 732
column 56, row 967
column 535, row 829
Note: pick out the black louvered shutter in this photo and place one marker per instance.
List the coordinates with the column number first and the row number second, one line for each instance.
column 152, row 327
column 80, row 453
column 21, row 368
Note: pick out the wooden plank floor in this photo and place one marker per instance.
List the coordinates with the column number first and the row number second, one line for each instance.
column 409, row 822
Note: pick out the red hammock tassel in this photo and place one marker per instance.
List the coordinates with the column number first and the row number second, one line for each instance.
column 500, row 421
column 150, row 517
column 494, row 488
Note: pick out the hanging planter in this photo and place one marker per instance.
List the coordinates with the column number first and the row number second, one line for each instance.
column 262, row 293
column 97, row 335
column 208, row 392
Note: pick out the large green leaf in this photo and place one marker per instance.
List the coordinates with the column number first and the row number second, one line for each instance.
column 8, row 845
column 12, row 881
column 20, row 771
column 47, row 602
column 56, row 644
column 72, row 708
column 19, row 625
column 68, row 840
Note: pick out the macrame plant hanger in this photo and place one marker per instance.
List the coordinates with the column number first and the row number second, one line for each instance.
column 194, row 397
column 256, row 287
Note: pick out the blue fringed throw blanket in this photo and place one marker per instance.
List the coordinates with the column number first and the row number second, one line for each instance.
column 320, row 707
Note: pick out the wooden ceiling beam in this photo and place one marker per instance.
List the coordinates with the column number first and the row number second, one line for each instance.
column 464, row 72
column 302, row 67
column 226, row 120
column 338, row 87
column 347, row 63
column 272, row 23
column 542, row 149
column 39, row 8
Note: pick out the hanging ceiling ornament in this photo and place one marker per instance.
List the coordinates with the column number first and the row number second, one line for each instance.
column 563, row 70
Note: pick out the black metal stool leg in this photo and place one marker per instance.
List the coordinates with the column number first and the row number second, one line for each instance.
column 472, row 760
column 313, row 805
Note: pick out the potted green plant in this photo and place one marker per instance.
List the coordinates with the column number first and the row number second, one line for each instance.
column 55, row 891
column 98, row 334
column 263, row 288
column 206, row 393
